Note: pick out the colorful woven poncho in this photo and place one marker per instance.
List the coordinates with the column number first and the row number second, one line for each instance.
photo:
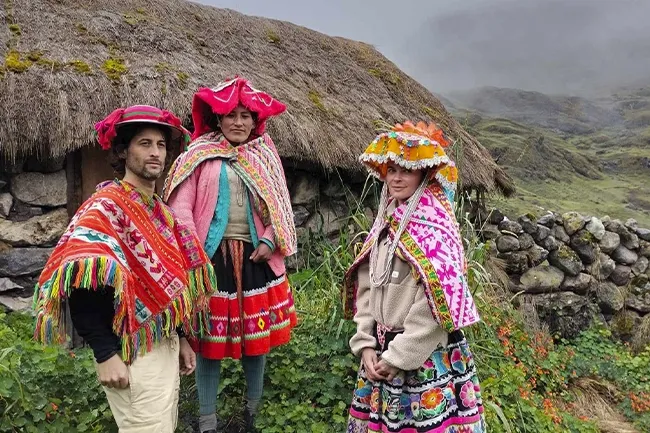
column 258, row 164
column 433, row 247
column 123, row 239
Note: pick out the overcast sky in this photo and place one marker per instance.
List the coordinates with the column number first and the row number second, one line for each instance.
column 554, row 46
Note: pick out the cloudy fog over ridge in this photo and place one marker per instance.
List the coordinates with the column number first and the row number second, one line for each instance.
column 580, row 47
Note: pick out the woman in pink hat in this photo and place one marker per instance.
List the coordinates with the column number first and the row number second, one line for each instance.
column 229, row 186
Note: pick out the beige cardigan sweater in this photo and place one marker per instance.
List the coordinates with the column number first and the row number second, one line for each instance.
column 400, row 305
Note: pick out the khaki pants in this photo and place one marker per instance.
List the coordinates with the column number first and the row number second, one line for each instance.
column 150, row 403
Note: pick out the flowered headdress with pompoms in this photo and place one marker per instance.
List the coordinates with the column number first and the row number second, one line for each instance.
column 416, row 147
column 106, row 130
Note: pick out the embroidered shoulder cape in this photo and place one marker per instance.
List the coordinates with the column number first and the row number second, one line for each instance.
column 432, row 245
column 123, row 239
column 258, row 164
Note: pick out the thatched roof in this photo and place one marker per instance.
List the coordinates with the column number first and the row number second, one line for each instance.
column 68, row 63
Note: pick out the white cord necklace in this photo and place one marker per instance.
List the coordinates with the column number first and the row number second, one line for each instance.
column 414, row 200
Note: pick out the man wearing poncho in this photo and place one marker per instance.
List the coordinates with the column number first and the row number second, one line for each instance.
column 136, row 279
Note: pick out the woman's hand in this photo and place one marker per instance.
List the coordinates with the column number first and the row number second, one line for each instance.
column 386, row 370
column 369, row 359
column 261, row 254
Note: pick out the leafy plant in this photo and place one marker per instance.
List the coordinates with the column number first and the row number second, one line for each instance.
column 598, row 355
column 47, row 389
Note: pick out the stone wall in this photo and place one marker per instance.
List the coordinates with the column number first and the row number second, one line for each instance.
column 33, row 215
column 323, row 203
column 576, row 269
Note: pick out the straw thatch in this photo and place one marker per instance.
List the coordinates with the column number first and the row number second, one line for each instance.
column 68, row 63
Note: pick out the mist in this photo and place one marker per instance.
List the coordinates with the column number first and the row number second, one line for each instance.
column 578, row 47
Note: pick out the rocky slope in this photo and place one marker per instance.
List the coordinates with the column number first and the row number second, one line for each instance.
column 566, row 153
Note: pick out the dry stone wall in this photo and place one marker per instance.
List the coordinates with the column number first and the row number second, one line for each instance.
column 576, row 268
column 33, row 215
column 322, row 205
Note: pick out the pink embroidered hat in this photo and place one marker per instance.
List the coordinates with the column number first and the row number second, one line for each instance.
column 106, row 130
column 225, row 97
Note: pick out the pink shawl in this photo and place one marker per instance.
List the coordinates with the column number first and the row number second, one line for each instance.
column 433, row 247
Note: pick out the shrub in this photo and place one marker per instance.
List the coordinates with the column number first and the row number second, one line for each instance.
column 47, row 389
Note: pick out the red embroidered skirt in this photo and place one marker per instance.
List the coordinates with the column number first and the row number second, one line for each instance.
column 253, row 310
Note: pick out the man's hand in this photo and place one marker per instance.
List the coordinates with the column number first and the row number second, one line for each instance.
column 262, row 253
column 186, row 357
column 369, row 359
column 386, row 370
column 113, row 373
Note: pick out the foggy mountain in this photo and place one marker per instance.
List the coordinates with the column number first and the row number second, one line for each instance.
column 570, row 114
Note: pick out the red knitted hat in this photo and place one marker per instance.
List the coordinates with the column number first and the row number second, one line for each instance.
column 225, row 97
column 107, row 129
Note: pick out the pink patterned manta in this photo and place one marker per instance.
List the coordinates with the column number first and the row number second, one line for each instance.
column 433, row 246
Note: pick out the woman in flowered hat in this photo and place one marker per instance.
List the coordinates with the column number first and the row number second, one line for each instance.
column 136, row 279
column 229, row 186
column 407, row 291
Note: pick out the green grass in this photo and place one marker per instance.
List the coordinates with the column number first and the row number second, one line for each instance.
column 637, row 119
column 504, row 126
column 617, row 196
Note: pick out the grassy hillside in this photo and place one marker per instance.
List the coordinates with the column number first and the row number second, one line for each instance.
column 601, row 168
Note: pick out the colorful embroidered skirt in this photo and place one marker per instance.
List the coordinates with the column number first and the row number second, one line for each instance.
column 253, row 310
column 442, row 396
